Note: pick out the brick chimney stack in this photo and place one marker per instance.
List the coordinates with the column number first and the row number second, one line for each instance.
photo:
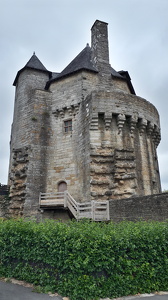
column 100, row 47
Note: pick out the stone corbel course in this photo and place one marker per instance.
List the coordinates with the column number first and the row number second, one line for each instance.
column 71, row 110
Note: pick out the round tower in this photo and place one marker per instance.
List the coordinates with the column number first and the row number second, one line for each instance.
column 124, row 131
column 27, row 153
column 124, row 135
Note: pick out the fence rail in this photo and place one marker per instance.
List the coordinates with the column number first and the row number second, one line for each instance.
column 96, row 210
column 51, row 199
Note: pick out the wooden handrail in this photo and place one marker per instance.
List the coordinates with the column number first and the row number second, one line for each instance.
column 96, row 210
column 51, row 199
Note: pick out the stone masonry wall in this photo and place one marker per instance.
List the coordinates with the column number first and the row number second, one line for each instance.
column 119, row 102
column 73, row 89
column 68, row 153
column 41, row 132
column 4, row 200
column 29, row 140
column 4, row 205
column 110, row 153
column 152, row 207
column 61, row 164
column 124, row 134
column 121, row 85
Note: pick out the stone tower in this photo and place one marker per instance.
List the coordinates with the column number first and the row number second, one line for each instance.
column 83, row 129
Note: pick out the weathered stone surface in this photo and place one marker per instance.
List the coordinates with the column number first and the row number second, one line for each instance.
column 4, row 206
column 108, row 152
column 151, row 207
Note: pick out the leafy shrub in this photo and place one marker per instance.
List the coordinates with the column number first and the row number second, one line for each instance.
column 86, row 260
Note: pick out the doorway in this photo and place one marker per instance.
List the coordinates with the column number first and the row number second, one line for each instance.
column 62, row 186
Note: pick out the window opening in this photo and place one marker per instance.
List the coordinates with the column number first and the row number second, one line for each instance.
column 68, row 126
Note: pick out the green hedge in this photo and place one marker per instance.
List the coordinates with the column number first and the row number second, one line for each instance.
column 86, row 260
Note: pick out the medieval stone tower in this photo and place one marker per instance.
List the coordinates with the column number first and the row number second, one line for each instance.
column 83, row 130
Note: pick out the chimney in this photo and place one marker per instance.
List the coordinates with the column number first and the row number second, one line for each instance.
column 100, row 48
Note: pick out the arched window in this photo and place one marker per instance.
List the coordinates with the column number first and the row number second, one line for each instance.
column 62, row 186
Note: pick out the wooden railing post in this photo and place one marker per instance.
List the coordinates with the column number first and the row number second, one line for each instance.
column 40, row 198
column 108, row 211
column 65, row 198
column 96, row 210
column 93, row 209
column 77, row 213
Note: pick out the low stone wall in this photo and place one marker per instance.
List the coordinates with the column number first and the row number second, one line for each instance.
column 1, row 210
column 4, row 202
column 4, row 189
column 152, row 207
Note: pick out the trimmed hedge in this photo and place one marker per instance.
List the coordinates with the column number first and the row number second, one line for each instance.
column 86, row 260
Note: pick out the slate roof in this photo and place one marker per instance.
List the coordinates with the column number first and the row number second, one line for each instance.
column 81, row 62
column 114, row 73
column 33, row 63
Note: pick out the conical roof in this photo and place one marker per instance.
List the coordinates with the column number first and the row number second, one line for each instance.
column 33, row 63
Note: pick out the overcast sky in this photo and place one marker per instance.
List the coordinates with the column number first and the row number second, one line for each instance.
column 57, row 30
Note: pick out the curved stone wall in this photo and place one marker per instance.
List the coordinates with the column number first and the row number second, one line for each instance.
column 124, row 134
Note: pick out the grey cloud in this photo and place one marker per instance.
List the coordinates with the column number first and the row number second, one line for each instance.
column 59, row 30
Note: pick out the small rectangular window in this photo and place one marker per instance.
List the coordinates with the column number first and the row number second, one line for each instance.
column 68, row 126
